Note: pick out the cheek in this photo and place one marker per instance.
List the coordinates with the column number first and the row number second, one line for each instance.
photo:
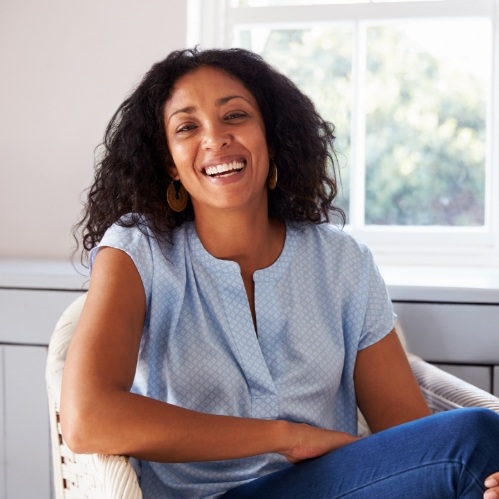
column 180, row 152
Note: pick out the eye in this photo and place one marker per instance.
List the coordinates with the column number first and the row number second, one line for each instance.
column 234, row 115
column 187, row 127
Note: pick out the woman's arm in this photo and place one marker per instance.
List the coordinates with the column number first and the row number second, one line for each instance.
column 99, row 414
column 387, row 392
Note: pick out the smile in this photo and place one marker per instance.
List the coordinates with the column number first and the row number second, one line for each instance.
column 225, row 169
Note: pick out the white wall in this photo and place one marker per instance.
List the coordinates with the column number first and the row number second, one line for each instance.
column 65, row 66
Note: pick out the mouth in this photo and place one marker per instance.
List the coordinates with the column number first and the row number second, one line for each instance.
column 225, row 169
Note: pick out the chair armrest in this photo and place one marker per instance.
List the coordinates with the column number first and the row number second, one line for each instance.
column 89, row 475
column 443, row 391
column 118, row 478
column 98, row 475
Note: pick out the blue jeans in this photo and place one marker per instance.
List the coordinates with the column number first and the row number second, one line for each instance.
column 437, row 457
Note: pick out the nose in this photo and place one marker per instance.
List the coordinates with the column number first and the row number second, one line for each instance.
column 216, row 136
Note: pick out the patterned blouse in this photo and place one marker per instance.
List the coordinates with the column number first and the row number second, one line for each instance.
column 316, row 306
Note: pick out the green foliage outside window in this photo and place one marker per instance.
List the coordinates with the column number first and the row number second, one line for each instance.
column 425, row 139
column 424, row 115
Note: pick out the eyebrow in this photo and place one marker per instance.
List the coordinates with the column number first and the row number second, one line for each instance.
column 218, row 103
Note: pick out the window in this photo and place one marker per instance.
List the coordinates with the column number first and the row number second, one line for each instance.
column 410, row 88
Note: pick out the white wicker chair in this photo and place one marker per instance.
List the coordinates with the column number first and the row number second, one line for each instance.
column 80, row 475
column 112, row 477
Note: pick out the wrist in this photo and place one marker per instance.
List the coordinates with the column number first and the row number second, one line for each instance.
column 289, row 437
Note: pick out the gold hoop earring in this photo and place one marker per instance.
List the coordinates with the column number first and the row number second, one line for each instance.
column 176, row 196
column 272, row 178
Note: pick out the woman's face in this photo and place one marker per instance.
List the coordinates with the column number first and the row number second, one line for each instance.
column 216, row 136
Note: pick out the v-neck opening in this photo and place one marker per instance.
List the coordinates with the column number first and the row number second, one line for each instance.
column 214, row 264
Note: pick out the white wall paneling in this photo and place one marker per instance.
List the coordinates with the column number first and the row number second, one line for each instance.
column 3, row 490
column 27, row 470
column 32, row 298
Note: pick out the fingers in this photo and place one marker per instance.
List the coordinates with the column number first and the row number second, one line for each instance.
column 492, row 484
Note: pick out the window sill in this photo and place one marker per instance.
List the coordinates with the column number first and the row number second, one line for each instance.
column 42, row 274
column 442, row 284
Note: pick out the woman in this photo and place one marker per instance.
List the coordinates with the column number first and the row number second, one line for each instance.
column 228, row 333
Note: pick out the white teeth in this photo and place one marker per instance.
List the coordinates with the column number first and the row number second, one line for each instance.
column 224, row 168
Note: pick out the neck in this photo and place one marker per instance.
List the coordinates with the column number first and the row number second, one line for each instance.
column 251, row 240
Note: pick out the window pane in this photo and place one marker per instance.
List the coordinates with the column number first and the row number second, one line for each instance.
column 319, row 61
column 426, row 122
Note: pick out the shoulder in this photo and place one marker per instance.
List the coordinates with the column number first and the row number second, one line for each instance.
column 150, row 253
column 128, row 234
column 333, row 253
column 134, row 231
column 330, row 240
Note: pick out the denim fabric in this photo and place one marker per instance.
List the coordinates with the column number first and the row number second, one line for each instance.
column 442, row 456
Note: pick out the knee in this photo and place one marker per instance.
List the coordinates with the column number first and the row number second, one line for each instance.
column 477, row 431
column 477, row 421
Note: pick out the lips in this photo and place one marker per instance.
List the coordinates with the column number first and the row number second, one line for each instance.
column 225, row 169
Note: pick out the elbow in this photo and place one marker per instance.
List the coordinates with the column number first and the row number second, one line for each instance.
column 91, row 426
column 91, row 422
column 75, row 443
column 76, row 432
column 80, row 427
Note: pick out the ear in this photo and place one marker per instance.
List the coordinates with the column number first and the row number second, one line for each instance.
column 172, row 171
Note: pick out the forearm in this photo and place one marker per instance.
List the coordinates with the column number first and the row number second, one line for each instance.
column 145, row 428
column 134, row 425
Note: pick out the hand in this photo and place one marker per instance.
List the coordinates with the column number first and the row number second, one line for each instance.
column 308, row 442
column 492, row 484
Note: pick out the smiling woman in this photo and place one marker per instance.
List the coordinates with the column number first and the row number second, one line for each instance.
column 227, row 341
column 216, row 137
column 287, row 114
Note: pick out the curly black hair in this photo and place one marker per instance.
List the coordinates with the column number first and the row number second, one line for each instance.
column 131, row 174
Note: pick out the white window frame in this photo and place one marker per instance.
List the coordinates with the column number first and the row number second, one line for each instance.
column 210, row 24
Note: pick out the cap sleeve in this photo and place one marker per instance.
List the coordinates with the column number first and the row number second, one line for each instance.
column 136, row 244
column 379, row 318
